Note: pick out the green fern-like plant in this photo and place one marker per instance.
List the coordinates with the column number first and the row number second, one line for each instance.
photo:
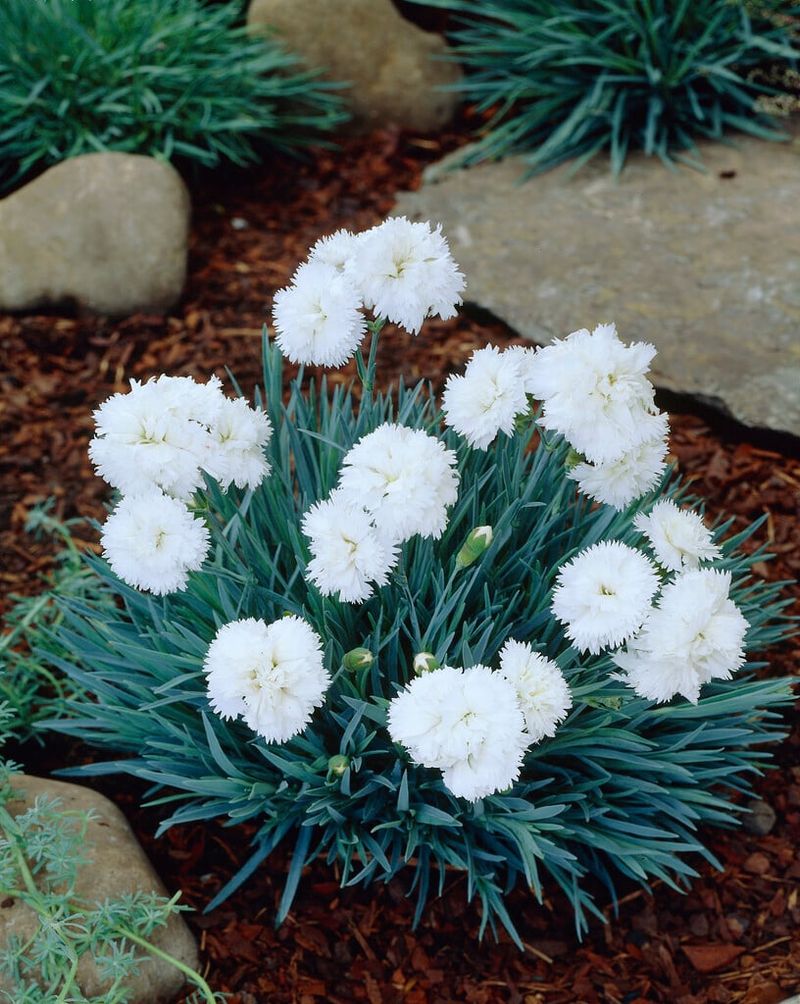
column 175, row 79
column 41, row 853
column 569, row 80
column 623, row 790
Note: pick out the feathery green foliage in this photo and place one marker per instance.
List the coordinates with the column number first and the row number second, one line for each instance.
column 569, row 80
column 169, row 78
column 41, row 853
column 29, row 689
column 623, row 789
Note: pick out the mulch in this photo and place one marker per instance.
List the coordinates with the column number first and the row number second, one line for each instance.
column 735, row 937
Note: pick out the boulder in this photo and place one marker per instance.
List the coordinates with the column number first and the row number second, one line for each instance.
column 107, row 232
column 115, row 865
column 703, row 264
column 394, row 68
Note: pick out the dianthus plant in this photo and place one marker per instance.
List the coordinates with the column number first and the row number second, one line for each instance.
column 487, row 633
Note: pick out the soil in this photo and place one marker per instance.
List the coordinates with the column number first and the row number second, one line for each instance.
column 735, row 937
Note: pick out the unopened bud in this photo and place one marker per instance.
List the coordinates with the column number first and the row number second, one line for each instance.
column 338, row 764
column 357, row 658
column 425, row 662
column 573, row 458
column 476, row 543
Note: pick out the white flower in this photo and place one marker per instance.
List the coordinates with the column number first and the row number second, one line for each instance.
column 524, row 358
column 693, row 635
column 618, row 482
column 466, row 723
column 152, row 436
column 594, row 392
column 348, row 554
column 152, row 542
column 404, row 478
column 541, row 689
column 406, row 273
column 488, row 397
column 336, row 250
column 271, row 675
column 679, row 537
column 237, row 437
column 164, row 433
column 603, row 595
column 318, row 317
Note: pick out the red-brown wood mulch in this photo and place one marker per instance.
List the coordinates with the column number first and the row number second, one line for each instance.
column 734, row 937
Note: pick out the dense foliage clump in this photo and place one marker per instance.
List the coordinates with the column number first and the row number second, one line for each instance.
column 169, row 78
column 569, row 80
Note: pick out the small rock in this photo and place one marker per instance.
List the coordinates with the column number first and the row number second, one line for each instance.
column 394, row 68
column 758, row 864
column 116, row 865
column 239, row 223
column 761, row 817
column 105, row 231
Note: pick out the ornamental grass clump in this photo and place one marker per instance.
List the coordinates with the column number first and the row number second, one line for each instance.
column 485, row 635
column 176, row 79
column 571, row 79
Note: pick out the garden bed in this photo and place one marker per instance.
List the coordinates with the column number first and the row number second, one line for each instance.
column 733, row 938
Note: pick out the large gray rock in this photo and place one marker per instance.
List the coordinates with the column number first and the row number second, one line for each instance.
column 393, row 66
column 704, row 265
column 116, row 865
column 107, row 231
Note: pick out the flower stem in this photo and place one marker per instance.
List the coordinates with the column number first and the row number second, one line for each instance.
column 366, row 371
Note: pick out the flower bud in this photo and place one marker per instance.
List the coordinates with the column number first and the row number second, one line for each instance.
column 573, row 458
column 357, row 658
column 476, row 543
column 338, row 764
column 425, row 662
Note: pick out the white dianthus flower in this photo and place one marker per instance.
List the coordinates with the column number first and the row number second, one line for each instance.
column 318, row 318
column 270, row 675
column 152, row 436
column 165, row 432
column 694, row 634
column 348, row 554
column 406, row 273
column 679, row 537
column 404, row 478
column 152, row 542
column 336, row 250
column 237, row 437
column 466, row 723
column 594, row 391
column 618, row 482
column 604, row 594
column 488, row 397
column 524, row 358
column 541, row 689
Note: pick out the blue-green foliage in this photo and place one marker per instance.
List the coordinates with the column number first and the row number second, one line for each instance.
column 571, row 79
column 621, row 790
column 168, row 78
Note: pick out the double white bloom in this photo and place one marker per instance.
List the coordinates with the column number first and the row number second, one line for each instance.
column 153, row 444
column 400, row 270
column 486, row 399
column 692, row 634
column 595, row 392
column 270, row 675
column 395, row 483
column 474, row 724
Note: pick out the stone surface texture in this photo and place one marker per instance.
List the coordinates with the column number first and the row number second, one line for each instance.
column 394, row 67
column 105, row 231
column 705, row 265
column 116, row 864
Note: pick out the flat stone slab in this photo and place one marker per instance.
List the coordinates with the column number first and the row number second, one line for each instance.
column 706, row 266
